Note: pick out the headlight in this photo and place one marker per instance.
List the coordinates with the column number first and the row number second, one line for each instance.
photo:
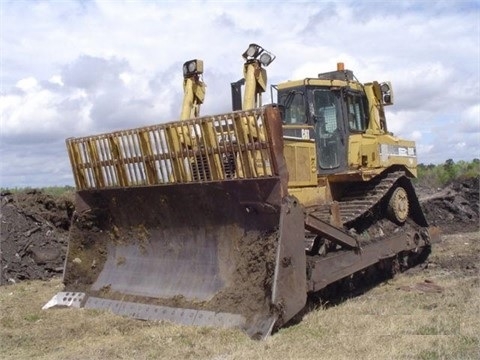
column 387, row 93
column 256, row 52
column 192, row 67
column 266, row 58
column 252, row 51
column 385, row 87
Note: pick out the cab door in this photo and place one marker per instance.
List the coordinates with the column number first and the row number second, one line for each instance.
column 330, row 133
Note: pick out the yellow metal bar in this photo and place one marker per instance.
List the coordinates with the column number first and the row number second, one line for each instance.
column 174, row 146
column 119, row 165
column 90, row 181
column 374, row 125
column 241, row 155
column 75, row 159
column 224, row 136
column 218, row 172
column 224, row 149
column 95, row 163
column 147, row 155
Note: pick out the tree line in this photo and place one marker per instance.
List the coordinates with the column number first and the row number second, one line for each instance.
column 427, row 175
column 443, row 174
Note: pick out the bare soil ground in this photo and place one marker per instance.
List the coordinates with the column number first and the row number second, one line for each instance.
column 33, row 235
column 440, row 298
column 454, row 208
column 34, row 226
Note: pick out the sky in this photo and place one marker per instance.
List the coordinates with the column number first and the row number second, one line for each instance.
column 77, row 68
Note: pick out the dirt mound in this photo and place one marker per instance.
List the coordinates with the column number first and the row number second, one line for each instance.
column 34, row 226
column 455, row 208
column 34, row 233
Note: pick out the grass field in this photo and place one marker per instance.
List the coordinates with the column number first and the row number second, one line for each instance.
column 399, row 319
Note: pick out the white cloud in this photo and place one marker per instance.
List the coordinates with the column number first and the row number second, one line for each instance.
column 74, row 68
column 27, row 84
column 126, row 78
column 56, row 79
column 470, row 119
column 415, row 135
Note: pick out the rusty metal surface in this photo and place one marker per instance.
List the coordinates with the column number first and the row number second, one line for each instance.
column 141, row 249
column 363, row 196
column 289, row 289
column 337, row 265
column 165, row 219
column 166, row 222
column 165, row 241
column 147, row 273
column 273, row 123
column 221, row 147
column 378, row 238
column 330, row 232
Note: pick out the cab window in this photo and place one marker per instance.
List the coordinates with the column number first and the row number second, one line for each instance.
column 295, row 112
column 356, row 113
column 325, row 110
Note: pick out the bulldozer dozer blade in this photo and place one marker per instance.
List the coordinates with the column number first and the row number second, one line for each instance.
column 226, row 254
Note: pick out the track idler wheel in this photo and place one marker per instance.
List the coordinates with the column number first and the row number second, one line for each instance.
column 398, row 205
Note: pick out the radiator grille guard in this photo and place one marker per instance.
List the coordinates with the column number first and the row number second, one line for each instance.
column 212, row 148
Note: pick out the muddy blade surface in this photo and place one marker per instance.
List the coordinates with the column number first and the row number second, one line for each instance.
column 207, row 248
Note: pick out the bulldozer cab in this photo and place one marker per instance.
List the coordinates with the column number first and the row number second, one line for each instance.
column 325, row 111
column 347, row 120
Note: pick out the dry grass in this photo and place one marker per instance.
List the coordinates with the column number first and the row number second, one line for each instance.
column 388, row 322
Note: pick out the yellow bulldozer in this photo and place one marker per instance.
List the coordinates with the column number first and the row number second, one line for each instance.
column 230, row 220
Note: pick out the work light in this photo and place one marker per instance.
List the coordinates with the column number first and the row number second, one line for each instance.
column 387, row 93
column 266, row 58
column 252, row 52
column 192, row 67
column 256, row 52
